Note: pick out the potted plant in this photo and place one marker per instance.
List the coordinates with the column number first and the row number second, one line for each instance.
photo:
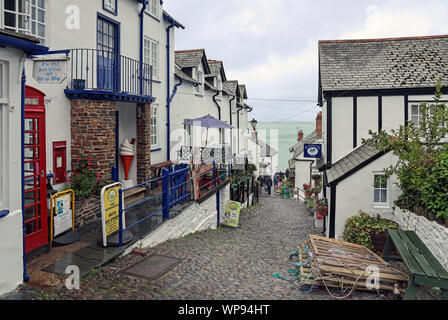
column 322, row 207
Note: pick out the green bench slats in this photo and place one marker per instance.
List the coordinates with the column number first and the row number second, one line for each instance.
column 425, row 268
column 412, row 264
column 417, row 255
column 435, row 264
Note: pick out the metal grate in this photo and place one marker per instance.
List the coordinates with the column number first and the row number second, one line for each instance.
column 152, row 267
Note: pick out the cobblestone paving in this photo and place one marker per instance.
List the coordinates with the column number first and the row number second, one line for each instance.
column 218, row 264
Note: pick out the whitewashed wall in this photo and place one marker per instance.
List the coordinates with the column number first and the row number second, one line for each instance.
column 195, row 218
column 433, row 235
column 11, row 231
column 356, row 193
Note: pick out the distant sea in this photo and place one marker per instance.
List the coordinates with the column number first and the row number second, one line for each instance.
column 287, row 137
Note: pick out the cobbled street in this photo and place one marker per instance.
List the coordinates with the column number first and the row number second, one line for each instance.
column 223, row 264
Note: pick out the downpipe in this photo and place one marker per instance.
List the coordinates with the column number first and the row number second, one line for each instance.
column 168, row 85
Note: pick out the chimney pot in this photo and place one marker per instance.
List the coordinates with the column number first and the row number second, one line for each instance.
column 319, row 124
column 300, row 136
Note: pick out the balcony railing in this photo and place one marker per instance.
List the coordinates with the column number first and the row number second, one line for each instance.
column 105, row 71
column 206, row 155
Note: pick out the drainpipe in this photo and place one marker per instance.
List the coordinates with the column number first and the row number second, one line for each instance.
column 26, row 277
column 231, row 123
column 238, row 124
column 168, row 102
column 142, row 17
column 219, row 113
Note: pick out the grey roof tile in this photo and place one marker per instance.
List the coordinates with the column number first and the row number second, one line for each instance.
column 383, row 63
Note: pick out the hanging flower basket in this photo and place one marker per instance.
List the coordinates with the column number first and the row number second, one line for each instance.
column 322, row 210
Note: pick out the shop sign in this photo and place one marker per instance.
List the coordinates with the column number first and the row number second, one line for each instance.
column 62, row 212
column 50, row 71
column 110, row 210
column 232, row 214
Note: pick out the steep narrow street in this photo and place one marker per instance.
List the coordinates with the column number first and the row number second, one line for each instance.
column 218, row 264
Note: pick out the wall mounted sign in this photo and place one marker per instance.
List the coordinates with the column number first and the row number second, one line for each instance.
column 232, row 214
column 110, row 6
column 313, row 151
column 110, row 210
column 50, row 71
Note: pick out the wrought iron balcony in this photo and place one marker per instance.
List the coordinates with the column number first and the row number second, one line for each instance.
column 103, row 73
column 208, row 155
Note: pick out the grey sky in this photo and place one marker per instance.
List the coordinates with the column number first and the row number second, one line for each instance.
column 271, row 46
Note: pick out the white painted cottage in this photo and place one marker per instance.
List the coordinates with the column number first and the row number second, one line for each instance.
column 203, row 89
column 303, row 167
column 372, row 84
column 14, row 129
column 107, row 79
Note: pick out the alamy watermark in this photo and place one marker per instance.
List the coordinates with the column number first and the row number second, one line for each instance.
column 73, row 281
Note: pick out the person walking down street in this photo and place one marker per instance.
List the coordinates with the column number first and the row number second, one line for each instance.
column 269, row 184
column 260, row 183
column 276, row 180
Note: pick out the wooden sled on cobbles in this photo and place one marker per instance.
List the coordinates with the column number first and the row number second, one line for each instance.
column 333, row 264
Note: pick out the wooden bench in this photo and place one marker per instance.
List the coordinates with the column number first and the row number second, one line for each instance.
column 425, row 269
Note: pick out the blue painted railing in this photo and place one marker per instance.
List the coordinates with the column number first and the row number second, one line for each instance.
column 175, row 182
column 103, row 70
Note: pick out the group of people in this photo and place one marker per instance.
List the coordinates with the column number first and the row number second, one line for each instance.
column 267, row 182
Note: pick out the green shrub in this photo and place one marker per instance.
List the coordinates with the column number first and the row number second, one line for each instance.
column 361, row 228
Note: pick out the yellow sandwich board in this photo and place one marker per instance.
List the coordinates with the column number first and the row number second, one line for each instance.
column 110, row 202
column 232, row 214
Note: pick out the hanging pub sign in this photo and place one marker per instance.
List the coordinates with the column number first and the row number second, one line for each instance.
column 110, row 210
column 313, row 151
column 62, row 210
column 50, row 71
column 232, row 214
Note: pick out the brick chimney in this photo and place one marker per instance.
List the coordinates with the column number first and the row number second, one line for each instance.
column 319, row 124
column 300, row 136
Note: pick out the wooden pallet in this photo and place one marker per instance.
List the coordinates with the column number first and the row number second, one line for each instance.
column 343, row 265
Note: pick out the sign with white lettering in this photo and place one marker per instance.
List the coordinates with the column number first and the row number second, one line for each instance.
column 50, row 71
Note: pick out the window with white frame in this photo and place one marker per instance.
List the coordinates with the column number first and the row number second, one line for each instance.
column 199, row 77
column 380, row 189
column 417, row 114
column 151, row 55
column 25, row 16
column 153, row 8
column 154, row 125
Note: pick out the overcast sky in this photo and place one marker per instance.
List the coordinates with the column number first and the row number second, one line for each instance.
column 271, row 46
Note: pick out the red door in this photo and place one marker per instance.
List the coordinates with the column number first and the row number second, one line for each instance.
column 36, row 217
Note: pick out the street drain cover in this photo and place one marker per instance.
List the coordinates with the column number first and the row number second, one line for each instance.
column 152, row 267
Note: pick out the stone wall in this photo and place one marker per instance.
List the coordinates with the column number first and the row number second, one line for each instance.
column 434, row 235
column 93, row 133
column 87, row 210
column 144, row 143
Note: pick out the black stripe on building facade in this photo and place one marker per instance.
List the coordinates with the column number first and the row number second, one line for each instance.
column 406, row 110
column 329, row 131
column 332, row 229
column 380, row 113
column 355, row 121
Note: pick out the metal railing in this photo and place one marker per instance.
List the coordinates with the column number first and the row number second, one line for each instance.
column 104, row 70
column 208, row 155
column 174, row 191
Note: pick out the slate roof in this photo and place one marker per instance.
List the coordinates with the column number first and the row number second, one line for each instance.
column 243, row 90
column 226, row 89
column 391, row 63
column 232, row 85
column 351, row 161
column 217, row 67
column 179, row 73
column 191, row 58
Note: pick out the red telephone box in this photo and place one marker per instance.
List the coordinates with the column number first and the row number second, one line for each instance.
column 36, row 217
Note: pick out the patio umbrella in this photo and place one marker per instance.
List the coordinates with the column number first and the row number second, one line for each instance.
column 208, row 122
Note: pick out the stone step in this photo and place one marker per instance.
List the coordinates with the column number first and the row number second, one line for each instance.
column 134, row 195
